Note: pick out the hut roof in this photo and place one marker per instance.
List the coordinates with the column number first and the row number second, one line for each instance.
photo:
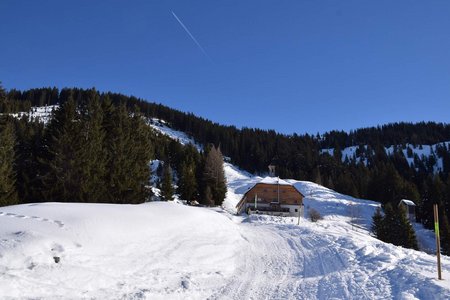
column 274, row 180
column 408, row 202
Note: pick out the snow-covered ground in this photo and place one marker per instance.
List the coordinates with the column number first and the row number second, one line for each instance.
column 163, row 250
column 155, row 250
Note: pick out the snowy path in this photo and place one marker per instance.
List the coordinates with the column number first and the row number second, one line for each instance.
column 171, row 251
column 282, row 261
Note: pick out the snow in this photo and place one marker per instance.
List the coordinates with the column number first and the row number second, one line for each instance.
column 165, row 250
column 422, row 151
column 274, row 180
column 162, row 127
column 154, row 250
column 347, row 153
column 408, row 202
column 336, row 258
column 425, row 238
column 40, row 113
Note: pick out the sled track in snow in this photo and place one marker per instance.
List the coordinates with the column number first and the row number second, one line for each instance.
column 288, row 262
column 60, row 224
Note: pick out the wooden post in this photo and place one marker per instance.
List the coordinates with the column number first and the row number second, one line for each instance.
column 438, row 242
column 278, row 184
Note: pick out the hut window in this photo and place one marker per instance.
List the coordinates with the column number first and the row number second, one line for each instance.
column 296, row 210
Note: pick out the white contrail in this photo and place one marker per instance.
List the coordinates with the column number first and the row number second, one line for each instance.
column 192, row 37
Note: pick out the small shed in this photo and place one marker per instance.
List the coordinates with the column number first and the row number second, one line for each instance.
column 410, row 209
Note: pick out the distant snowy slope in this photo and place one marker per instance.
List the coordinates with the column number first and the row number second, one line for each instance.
column 423, row 152
column 238, row 182
column 40, row 113
column 162, row 127
column 410, row 152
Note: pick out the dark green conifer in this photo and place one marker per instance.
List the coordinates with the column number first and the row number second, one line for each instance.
column 92, row 154
column 187, row 185
column 444, row 231
column 166, row 183
column 406, row 233
column 8, row 193
column 378, row 228
column 214, row 176
column 61, row 164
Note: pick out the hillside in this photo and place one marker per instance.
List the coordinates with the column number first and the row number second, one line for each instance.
column 418, row 157
column 161, row 250
column 385, row 163
column 164, row 250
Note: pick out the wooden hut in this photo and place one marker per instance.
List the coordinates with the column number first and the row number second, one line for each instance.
column 272, row 196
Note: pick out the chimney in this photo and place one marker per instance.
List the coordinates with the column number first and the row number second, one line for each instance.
column 272, row 170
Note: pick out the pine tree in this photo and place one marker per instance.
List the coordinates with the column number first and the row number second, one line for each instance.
column 378, row 228
column 129, row 151
column 208, row 196
column 214, row 176
column 166, row 183
column 60, row 157
column 8, row 194
column 29, row 139
column 406, row 233
column 118, row 160
column 444, row 231
column 4, row 104
column 394, row 227
column 2, row 92
column 187, row 185
column 92, row 154
column 143, row 152
column 391, row 224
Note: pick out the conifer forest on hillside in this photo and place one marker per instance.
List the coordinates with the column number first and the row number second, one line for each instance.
column 97, row 148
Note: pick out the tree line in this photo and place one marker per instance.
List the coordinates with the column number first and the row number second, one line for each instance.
column 95, row 149
column 375, row 175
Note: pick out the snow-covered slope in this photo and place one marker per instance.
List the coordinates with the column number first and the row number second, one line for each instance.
column 165, row 250
column 159, row 249
column 411, row 153
column 162, row 127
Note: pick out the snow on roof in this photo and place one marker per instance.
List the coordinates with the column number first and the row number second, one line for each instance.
column 408, row 202
column 274, row 180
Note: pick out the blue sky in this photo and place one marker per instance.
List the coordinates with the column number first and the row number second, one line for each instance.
column 293, row 66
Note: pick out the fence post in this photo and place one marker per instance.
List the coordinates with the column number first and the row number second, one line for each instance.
column 438, row 242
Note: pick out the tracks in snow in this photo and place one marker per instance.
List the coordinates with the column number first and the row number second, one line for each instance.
column 289, row 262
column 60, row 224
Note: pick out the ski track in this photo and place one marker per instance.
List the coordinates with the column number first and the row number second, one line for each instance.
column 288, row 262
column 269, row 259
column 60, row 224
